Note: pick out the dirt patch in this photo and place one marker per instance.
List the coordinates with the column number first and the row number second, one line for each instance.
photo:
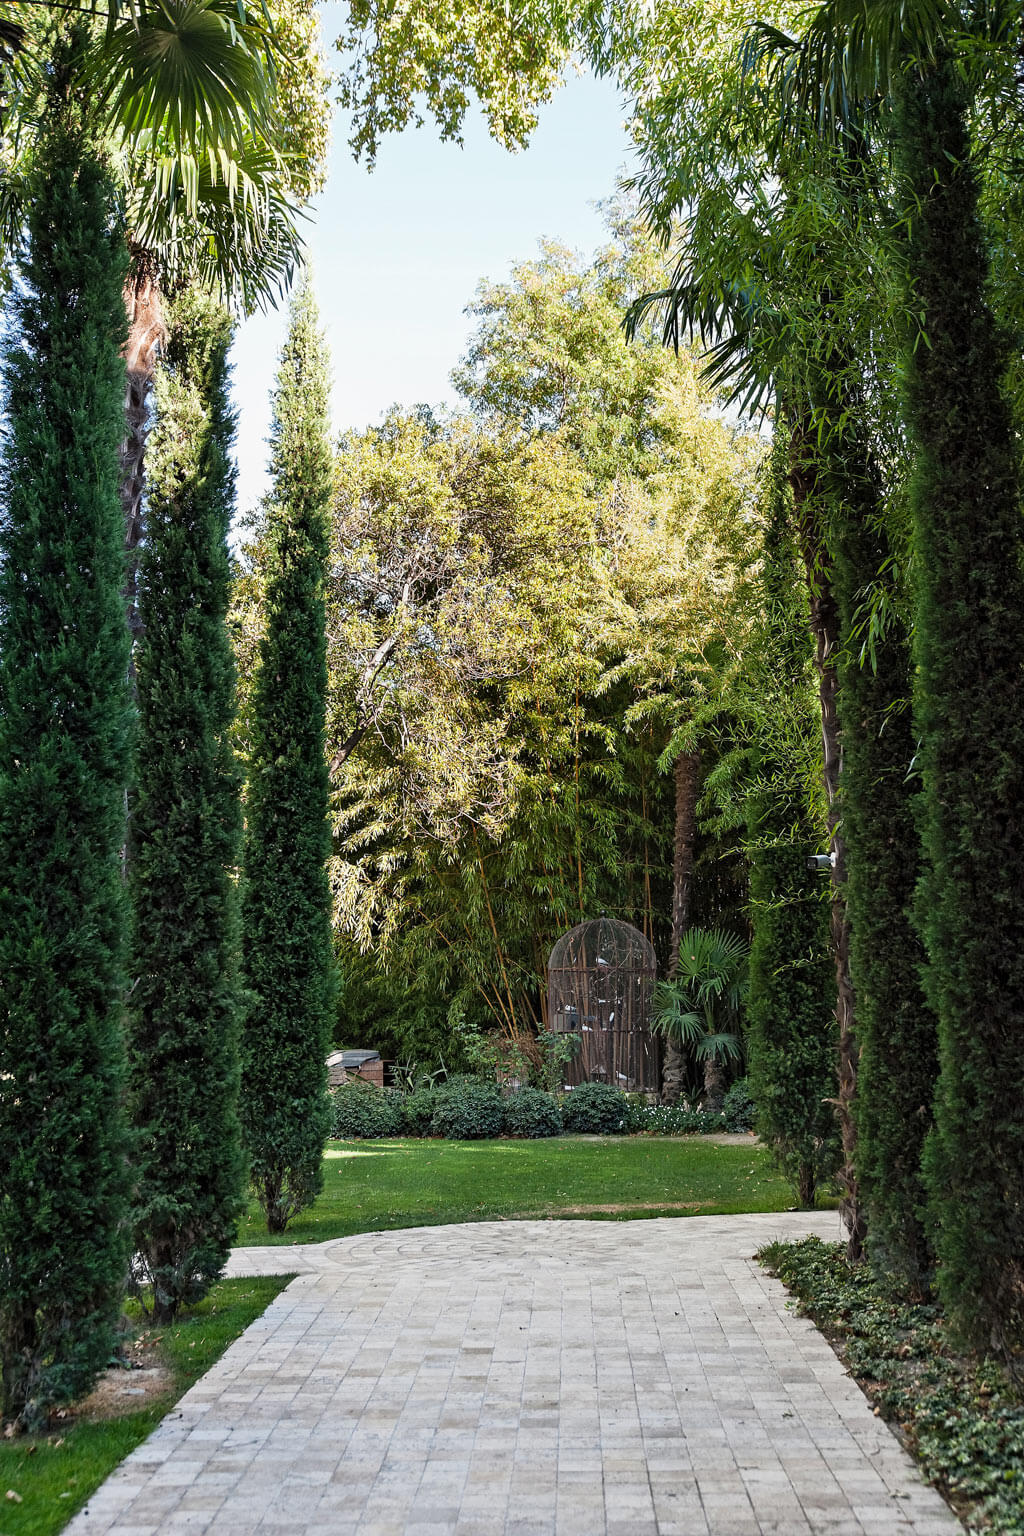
column 119, row 1392
column 140, row 1381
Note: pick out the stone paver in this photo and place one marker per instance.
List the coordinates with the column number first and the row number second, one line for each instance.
column 562, row 1378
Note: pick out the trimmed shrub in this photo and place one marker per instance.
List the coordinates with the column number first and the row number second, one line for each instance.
column 739, row 1108
column 532, row 1113
column 468, row 1110
column 364, row 1112
column 595, row 1109
column 418, row 1110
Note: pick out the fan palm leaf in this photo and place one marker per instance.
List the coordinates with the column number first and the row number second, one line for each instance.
column 852, row 51
column 199, row 70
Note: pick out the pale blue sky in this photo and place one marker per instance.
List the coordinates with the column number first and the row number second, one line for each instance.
column 398, row 253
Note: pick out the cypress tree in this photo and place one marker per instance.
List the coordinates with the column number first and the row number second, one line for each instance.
column 791, row 1043
column 969, row 713
column 895, row 1026
column 287, row 910
column 65, row 733
column 186, row 1008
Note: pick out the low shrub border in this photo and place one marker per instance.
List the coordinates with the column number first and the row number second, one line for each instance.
column 363, row 1111
column 470, row 1108
column 961, row 1416
column 530, row 1113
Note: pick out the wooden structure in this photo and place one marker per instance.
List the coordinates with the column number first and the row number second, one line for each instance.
column 601, row 978
column 342, row 1066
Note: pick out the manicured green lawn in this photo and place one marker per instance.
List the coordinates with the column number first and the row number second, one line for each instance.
column 371, row 1186
column 55, row 1474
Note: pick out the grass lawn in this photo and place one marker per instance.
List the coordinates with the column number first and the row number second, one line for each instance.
column 53, row 1475
column 372, row 1186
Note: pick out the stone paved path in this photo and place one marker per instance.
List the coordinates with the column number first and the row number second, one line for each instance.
column 566, row 1378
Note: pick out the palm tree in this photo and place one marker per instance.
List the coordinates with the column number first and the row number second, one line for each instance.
column 700, row 1008
column 740, row 285
column 184, row 90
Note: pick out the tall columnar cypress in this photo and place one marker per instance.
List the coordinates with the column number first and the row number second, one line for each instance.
column 65, row 733
column 895, row 1026
column 287, row 909
column 791, row 1042
column 185, row 1013
column 969, row 713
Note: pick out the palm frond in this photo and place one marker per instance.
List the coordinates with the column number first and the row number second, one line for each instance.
column 851, row 51
column 718, row 1046
column 738, row 328
column 224, row 217
column 187, row 67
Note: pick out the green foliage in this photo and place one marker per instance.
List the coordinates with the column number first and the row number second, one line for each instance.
column 468, row 1110
column 895, row 1027
column 737, row 1114
column 962, row 1418
column 521, row 607
column 557, row 1050
column 405, row 1022
column 532, row 1113
column 65, row 732
column 969, row 713
column 412, row 61
column 595, row 1109
column 791, row 1046
column 418, row 1109
column 495, row 1057
column 645, row 1119
column 366, row 1111
column 700, row 1007
column 287, row 947
column 739, row 1107
column 790, row 1019
column 186, row 1003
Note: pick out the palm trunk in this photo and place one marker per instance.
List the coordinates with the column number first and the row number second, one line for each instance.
column 825, row 626
column 687, row 778
column 143, row 303
column 714, row 1085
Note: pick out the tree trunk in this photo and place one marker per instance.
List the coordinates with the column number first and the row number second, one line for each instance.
column 687, row 777
column 824, row 620
column 714, row 1085
column 146, row 333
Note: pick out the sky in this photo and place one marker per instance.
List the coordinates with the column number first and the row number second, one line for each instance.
column 397, row 255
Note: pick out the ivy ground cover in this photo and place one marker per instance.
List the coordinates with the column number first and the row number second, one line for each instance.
column 961, row 1415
